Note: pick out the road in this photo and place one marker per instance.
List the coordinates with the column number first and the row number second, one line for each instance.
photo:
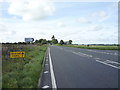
column 80, row 68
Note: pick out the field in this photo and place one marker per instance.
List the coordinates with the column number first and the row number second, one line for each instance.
column 95, row 47
column 22, row 72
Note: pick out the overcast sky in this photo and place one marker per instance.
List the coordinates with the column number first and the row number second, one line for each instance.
column 82, row 22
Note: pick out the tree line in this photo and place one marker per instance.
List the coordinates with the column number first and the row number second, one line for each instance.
column 53, row 41
column 44, row 41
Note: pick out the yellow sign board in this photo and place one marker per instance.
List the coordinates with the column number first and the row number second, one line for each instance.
column 19, row 54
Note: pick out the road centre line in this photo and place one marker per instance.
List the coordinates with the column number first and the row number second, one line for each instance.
column 104, row 52
column 82, row 54
column 107, row 64
column 109, row 61
column 85, row 54
column 52, row 73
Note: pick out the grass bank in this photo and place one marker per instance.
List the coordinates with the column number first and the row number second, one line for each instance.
column 23, row 73
column 94, row 47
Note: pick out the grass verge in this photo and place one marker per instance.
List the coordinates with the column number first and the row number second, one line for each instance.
column 94, row 47
column 23, row 73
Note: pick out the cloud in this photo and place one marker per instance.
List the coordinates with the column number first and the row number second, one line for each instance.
column 36, row 33
column 88, row 34
column 3, row 28
column 5, row 32
column 31, row 9
column 60, row 24
column 83, row 20
column 101, row 15
column 96, row 28
column 115, row 5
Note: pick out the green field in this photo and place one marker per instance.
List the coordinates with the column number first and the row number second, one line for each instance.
column 22, row 73
column 95, row 47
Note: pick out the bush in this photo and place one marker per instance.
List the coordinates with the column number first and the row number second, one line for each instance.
column 19, row 73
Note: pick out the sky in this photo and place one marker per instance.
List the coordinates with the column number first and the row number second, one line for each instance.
column 82, row 22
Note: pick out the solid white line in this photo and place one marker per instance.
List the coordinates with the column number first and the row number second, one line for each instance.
column 52, row 73
column 107, row 64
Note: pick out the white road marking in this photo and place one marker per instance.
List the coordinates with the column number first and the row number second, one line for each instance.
column 46, row 64
column 82, row 54
column 52, row 73
column 104, row 52
column 46, row 72
column 85, row 54
column 108, row 64
column 60, row 48
column 45, row 87
column 113, row 62
column 96, row 58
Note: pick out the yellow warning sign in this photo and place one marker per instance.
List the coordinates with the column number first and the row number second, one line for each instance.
column 19, row 54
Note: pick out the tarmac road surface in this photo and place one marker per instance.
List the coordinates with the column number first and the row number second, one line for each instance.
column 80, row 68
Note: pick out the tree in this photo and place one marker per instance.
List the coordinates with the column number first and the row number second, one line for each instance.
column 40, row 40
column 88, row 45
column 61, row 42
column 53, row 37
column 49, row 41
column 23, row 43
column 15, row 42
column 44, row 41
column 54, row 41
column 36, row 41
column 70, row 41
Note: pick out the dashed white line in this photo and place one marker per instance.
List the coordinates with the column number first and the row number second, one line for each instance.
column 104, row 52
column 85, row 54
column 52, row 73
column 82, row 54
column 46, row 64
column 45, row 87
column 96, row 58
column 107, row 64
column 46, row 72
column 113, row 62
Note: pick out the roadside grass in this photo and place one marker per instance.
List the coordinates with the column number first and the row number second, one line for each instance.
column 23, row 73
column 94, row 47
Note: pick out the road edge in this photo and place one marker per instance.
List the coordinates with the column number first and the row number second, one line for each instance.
column 52, row 72
column 41, row 73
